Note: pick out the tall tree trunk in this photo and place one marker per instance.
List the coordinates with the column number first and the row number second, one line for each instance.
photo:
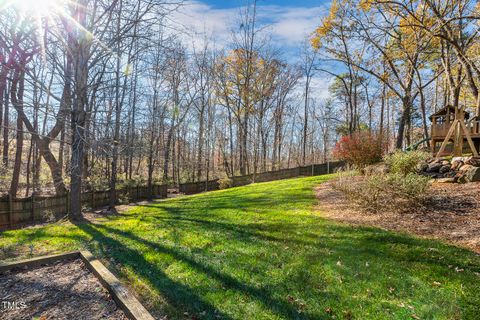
column 403, row 122
column 18, row 159
column 305, row 122
column 80, row 58
column 168, row 146
column 16, row 96
column 200, row 142
column 6, row 125
column 118, row 110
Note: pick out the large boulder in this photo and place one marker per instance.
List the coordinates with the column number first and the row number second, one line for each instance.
column 434, row 167
column 462, row 159
column 450, row 174
column 457, row 164
column 470, row 174
column 444, row 169
column 422, row 167
column 433, row 175
column 445, row 180
column 465, row 168
column 473, row 161
column 473, row 175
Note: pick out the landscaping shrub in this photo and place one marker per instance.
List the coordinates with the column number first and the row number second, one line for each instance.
column 374, row 193
column 404, row 163
column 225, row 183
column 359, row 149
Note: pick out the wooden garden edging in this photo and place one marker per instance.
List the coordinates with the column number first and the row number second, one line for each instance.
column 132, row 308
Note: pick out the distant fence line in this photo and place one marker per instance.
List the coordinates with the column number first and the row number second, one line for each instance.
column 39, row 208
column 311, row 170
column 14, row 212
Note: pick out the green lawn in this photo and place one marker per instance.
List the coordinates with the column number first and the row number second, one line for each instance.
column 263, row 252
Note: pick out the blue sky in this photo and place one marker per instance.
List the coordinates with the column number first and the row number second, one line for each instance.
column 289, row 3
column 288, row 22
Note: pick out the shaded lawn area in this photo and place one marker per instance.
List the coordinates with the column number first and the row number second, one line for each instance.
column 263, row 252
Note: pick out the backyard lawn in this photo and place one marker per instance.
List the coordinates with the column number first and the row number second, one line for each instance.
column 263, row 252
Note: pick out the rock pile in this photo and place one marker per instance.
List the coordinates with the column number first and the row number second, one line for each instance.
column 458, row 169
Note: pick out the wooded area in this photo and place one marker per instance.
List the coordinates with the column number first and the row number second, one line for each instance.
column 98, row 94
column 403, row 60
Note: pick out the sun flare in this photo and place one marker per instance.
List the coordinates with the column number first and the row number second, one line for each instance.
column 37, row 15
column 38, row 7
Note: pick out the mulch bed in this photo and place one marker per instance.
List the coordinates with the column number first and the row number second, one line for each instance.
column 63, row 290
column 452, row 213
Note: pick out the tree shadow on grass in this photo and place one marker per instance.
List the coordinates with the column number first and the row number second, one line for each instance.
column 178, row 292
column 209, row 216
column 374, row 246
column 372, row 241
column 245, row 232
column 315, row 243
column 175, row 292
column 235, row 201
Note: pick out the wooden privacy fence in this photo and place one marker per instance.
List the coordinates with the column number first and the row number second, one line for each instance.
column 312, row 170
column 35, row 209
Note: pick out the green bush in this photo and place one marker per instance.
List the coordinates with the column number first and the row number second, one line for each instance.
column 404, row 163
column 225, row 183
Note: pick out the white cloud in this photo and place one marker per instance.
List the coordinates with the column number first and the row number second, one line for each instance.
column 197, row 20
column 319, row 85
column 289, row 25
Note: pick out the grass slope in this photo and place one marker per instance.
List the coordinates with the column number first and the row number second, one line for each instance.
column 263, row 252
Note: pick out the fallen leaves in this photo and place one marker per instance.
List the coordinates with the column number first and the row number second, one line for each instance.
column 298, row 303
column 452, row 215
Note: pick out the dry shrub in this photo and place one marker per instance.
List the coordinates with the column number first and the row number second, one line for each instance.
column 225, row 183
column 395, row 192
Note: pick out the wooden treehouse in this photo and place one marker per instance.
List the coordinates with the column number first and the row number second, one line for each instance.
column 453, row 132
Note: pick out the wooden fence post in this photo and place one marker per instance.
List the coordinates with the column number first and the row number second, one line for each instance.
column 92, row 199
column 33, row 207
column 68, row 202
column 136, row 199
column 10, row 210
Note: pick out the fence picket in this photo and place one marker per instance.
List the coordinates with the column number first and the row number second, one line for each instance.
column 59, row 205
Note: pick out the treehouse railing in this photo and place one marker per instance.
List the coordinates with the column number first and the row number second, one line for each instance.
column 441, row 130
column 474, row 127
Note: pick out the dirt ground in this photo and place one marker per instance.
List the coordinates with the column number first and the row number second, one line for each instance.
column 452, row 213
column 64, row 290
